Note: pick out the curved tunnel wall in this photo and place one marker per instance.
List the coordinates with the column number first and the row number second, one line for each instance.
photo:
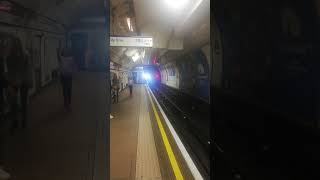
column 270, row 56
column 189, row 73
column 268, row 87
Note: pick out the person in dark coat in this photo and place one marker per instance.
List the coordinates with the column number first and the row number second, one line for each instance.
column 67, row 68
column 116, row 87
column 5, row 47
column 130, row 85
column 13, row 75
column 26, row 84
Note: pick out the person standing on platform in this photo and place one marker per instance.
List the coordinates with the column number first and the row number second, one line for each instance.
column 116, row 87
column 14, row 76
column 26, row 84
column 67, row 67
column 4, row 52
column 130, row 85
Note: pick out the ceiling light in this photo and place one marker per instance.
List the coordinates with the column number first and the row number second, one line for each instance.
column 176, row 4
column 129, row 24
column 143, row 53
column 135, row 57
column 131, row 28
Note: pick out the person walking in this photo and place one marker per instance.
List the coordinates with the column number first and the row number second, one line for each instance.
column 130, row 85
column 115, row 86
column 67, row 67
column 13, row 76
column 26, row 84
column 4, row 53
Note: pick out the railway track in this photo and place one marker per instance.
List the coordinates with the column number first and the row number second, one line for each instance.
column 190, row 121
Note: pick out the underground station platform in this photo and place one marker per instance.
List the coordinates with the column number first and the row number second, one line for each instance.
column 143, row 142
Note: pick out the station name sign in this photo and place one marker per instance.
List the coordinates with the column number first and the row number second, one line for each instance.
column 131, row 41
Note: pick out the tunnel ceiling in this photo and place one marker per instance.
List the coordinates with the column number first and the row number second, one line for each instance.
column 170, row 28
column 67, row 12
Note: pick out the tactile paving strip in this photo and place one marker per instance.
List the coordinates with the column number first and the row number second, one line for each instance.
column 147, row 164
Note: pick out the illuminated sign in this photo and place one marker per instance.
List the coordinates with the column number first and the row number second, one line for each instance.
column 131, row 41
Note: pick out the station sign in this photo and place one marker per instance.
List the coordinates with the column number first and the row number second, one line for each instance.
column 139, row 67
column 131, row 41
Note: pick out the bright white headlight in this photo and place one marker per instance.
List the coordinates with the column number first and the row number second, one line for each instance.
column 146, row 76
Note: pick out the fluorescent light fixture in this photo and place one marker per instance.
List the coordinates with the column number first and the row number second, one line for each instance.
column 135, row 57
column 143, row 53
column 176, row 4
column 129, row 24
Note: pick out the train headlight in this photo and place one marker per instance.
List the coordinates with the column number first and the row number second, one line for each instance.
column 146, row 76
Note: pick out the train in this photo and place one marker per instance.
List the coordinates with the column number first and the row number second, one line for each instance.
column 146, row 74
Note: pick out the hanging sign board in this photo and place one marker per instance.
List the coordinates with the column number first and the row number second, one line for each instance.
column 131, row 41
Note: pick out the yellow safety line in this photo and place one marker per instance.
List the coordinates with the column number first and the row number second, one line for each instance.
column 172, row 158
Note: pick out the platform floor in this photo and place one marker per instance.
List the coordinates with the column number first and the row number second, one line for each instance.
column 124, row 135
column 57, row 145
column 137, row 146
